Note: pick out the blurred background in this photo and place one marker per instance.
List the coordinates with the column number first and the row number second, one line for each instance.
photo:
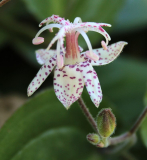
column 123, row 82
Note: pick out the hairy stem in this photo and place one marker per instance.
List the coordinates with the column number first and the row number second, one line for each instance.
column 87, row 114
column 133, row 129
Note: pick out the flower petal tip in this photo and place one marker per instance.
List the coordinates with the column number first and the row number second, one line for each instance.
column 28, row 94
column 97, row 105
column 38, row 40
column 123, row 43
column 67, row 107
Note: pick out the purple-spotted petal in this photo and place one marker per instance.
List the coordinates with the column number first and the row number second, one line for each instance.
column 92, row 83
column 56, row 19
column 109, row 55
column 68, row 84
column 97, row 27
column 41, row 75
column 42, row 55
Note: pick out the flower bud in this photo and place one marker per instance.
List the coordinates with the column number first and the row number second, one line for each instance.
column 100, row 145
column 93, row 138
column 106, row 122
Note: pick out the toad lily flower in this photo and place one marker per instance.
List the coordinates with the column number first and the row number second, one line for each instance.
column 73, row 67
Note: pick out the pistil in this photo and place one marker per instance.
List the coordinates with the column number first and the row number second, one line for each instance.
column 72, row 49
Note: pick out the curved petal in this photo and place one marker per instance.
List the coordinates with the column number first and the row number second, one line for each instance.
column 56, row 19
column 68, row 84
column 42, row 55
column 109, row 55
column 92, row 83
column 97, row 27
column 41, row 75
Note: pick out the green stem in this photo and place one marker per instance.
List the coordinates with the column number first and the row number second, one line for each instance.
column 134, row 128
column 87, row 114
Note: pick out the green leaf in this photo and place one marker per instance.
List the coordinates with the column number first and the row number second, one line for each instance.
column 39, row 115
column 4, row 37
column 143, row 132
column 44, row 9
column 131, row 17
column 59, row 143
column 145, row 98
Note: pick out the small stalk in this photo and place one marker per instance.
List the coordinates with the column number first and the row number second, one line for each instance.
column 134, row 128
column 87, row 114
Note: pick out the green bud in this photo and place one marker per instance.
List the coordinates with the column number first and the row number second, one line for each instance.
column 93, row 138
column 106, row 122
column 100, row 145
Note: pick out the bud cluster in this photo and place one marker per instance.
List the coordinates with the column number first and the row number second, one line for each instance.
column 106, row 124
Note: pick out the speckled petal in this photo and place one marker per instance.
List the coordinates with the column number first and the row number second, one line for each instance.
column 109, row 55
column 92, row 83
column 41, row 75
column 42, row 55
column 56, row 19
column 68, row 84
column 97, row 27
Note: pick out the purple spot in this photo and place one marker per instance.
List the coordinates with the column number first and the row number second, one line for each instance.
column 72, row 77
column 77, row 69
column 101, row 29
column 89, row 71
column 65, row 75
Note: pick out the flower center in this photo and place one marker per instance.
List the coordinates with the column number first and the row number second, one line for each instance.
column 72, row 55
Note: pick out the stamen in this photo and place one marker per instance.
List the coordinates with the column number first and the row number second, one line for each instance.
column 38, row 40
column 92, row 56
column 104, row 45
column 77, row 20
column 86, row 39
column 51, row 29
column 59, row 57
column 60, row 62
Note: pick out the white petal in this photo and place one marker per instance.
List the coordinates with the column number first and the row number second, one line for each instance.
column 68, row 84
column 92, row 83
column 109, row 55
column 92, row 26
column 42, row 55
column 41, row 75
column 56, row 19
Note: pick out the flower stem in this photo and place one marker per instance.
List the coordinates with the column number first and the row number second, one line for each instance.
column 87, row 114
column 134, row 128
column 3, row 2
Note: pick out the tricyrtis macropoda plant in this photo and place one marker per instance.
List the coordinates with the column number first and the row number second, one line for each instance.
column 73, row 66
column 73, row 70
